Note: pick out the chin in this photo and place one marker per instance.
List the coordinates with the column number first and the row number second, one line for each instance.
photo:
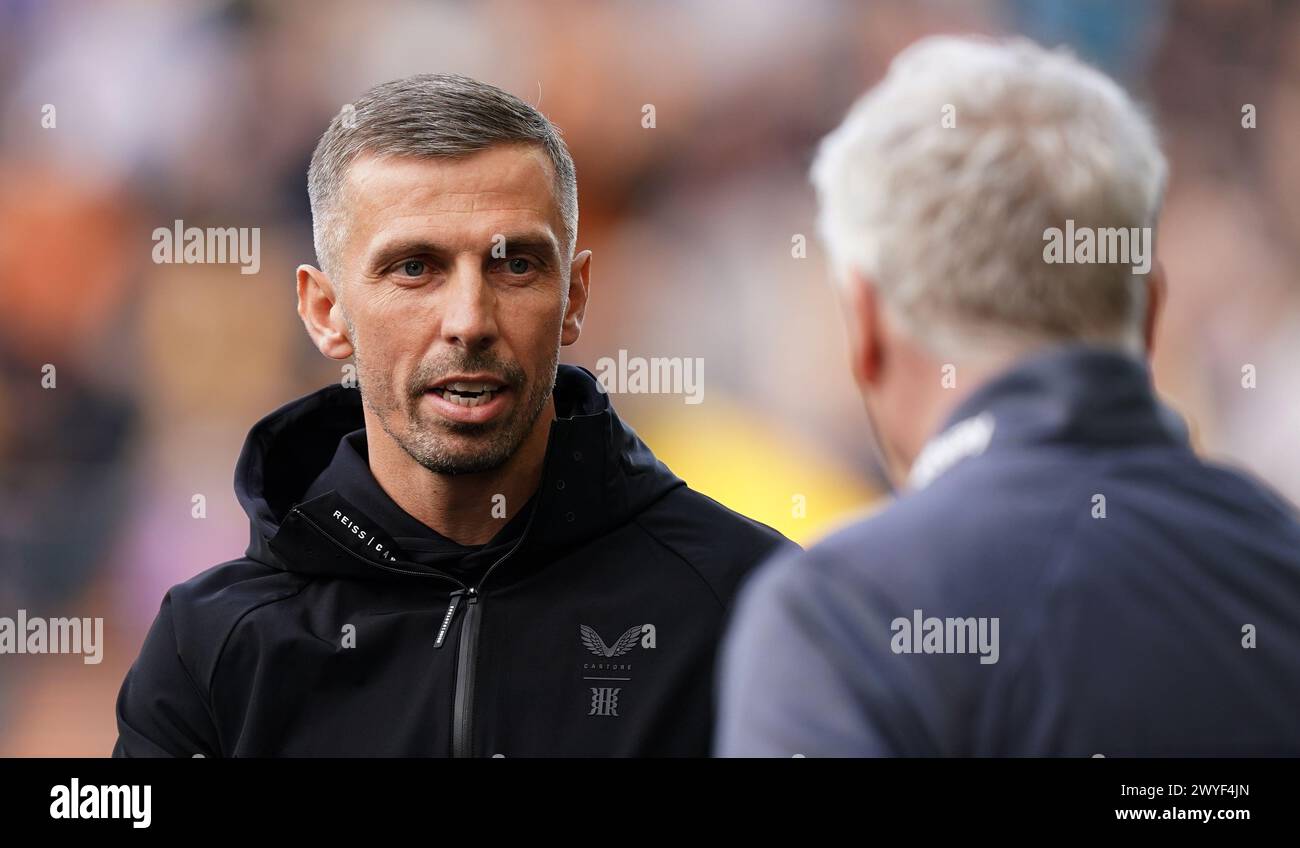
column 460, row 452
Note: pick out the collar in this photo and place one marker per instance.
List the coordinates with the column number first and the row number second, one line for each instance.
column 349, row 476
column 1076, row 394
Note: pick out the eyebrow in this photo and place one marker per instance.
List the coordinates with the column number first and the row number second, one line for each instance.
column 538, row 243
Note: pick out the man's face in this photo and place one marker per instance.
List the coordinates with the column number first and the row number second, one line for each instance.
column 453, row 283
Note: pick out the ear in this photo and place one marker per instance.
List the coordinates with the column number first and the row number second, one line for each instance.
column 1156, row 293
column 321, row 313
column 579, row 287
column 864, row 314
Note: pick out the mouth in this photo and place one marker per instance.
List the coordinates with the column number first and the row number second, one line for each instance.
column 469, row 399
column 467, row 393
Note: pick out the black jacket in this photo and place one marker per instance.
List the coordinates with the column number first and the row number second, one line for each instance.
column 588, row 626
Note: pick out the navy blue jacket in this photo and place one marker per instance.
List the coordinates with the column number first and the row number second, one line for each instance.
column 1064, row 578
column 588, row 626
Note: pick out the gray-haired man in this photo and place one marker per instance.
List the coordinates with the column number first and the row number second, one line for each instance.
column 1063, row 575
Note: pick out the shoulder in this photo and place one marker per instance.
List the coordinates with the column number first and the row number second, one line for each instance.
column 721, row 545
column 205, row 609
column 998, row 515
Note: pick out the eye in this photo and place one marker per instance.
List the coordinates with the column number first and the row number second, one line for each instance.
column 518, row 265
column 413, row 267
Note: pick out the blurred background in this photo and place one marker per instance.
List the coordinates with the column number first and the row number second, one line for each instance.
column 208, row 112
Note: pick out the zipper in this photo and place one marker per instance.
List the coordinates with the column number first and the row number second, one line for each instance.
column 464, row 666
column 462, row 721
column 463, row 693
column 452, row 603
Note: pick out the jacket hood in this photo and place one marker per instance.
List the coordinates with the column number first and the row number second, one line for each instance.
column 597, row 474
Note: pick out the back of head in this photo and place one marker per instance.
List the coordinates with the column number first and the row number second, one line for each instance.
column 941, row 183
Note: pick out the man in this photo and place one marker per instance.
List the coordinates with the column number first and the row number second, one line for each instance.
column 1063, row 576
column 472, row 555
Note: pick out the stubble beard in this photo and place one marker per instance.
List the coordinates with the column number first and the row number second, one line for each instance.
column 452, row 447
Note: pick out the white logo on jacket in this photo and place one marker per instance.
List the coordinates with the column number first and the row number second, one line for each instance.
column 643, row 633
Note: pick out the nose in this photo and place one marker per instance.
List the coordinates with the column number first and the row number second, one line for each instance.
column 468, row 307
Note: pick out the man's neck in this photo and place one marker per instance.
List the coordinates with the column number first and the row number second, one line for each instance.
column 469, row 509
column 929, row 402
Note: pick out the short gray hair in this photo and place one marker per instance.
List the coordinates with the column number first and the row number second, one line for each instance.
column 949, row 221
column 429, row 115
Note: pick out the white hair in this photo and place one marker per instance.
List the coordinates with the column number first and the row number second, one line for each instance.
column 942, row 180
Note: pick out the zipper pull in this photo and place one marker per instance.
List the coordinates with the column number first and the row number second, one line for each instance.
column 446, row 619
